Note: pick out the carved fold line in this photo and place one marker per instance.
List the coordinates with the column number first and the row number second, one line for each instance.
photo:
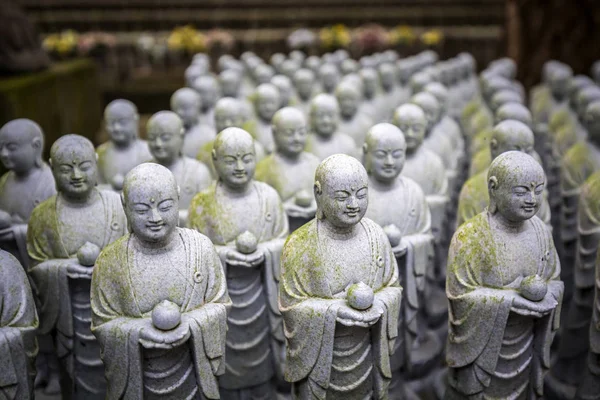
column 248, row 345
column 248, row 321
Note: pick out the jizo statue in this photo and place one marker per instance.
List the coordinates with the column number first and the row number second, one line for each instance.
column 159, row 299
column 186, row 103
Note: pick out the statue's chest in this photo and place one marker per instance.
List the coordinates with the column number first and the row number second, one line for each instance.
column 18, row 198
column 121, row 162
column 238, row 215
column 291, row 178
column 517, row 255
column 80, row 225
column 346, row 261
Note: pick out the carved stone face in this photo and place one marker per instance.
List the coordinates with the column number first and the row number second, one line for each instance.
column 343, row 198
column 74, row 168
column 349, row 101
column 165, row 137
column 235, row 159
column 227, row 115
column 208, row 89
column 187, row 106
column 151, row 203
column 266, row 105
column 370, row 83
column 18, row 151
column 385, row 153
column 289, row 131
column 324, row 115
column 413, row 124
column 121, row 125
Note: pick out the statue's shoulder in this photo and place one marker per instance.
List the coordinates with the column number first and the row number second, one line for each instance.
column 48, row 205
column 472, row 229
column 205, row 195
column 102, row 149
column 110, row 195
column 433, row 160
column 113, row 253
column 310, row 159
column 194, row 235
column 267, row 190
column 299, row 239
column 265, row 166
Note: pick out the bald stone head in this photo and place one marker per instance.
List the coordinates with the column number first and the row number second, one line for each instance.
column 440, row 92
column 503, row 97
column 73, row 161
column 230, row 81
column 370, row 81
column 348, row 96
column 341, row 191
column 208, row 88
column 165, row 132
column 411, row 120
column 387, row 76
column 324, row 115
column 193, row 72
column 263, row 73
column 515, row 183
column 285, row 87
column 430, row 106
column 592, row 121
column 577, row 83
column 121, row 121
column 330, row 76
column 151, row 202
column 234, row 158
column 21, row 146
column 586, row 96
column 559, row 82
column 384, row 152
column 418, row 81
column 514, row 111
column 304, row 81
column 289, row 131
column 349, row 66
column 266, row 101
column 186, row 103
column 228, row 113
column 511, row 135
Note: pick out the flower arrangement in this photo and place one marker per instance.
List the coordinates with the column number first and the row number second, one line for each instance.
column 301, row 38
column 218, row 38
column 187, row 40
column 402, row 35
column 92, row 42
column 62, row 45
column 335, row 37
column 432, row 37
column 370, row 37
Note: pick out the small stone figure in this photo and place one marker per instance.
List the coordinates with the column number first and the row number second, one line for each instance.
column 186, row 103
column 18, row 324
column 166, row 138
column 28, row 182
column 339, row 293
column 266, row 101
column 159, row 299
column 389, row 95
column 504, row 290
column 371, row 103
column 65, row 235
column 124, row 150
column 325, row 139
column 208, row 88
column 290, row 170
column 304, row 82
column 329, row 75
column 246, row 221
column 287, row 95
column 408, row 227
column 353, row 122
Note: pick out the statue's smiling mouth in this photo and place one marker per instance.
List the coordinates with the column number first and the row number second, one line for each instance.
column 155, row 227
column 353, row 213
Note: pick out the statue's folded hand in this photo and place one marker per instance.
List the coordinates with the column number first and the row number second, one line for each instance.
column 78, row 271
column 536, row 309
column 5, row 219
column 153, row 338
column 350, row 317
column 253, row 259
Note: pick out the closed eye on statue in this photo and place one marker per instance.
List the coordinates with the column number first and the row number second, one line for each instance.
column 229, row 160
column 65, row 168
column 341, row 195
column 520, row 191
column 248, row 158
column 380, row 153
column 86, row 165
column 362, row 193
column 398, row 153
column 165, row 205
column 140, row 208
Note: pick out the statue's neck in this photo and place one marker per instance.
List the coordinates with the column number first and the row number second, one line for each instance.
column 506, row 225
column 124, row 145
column 27, row 174
column 236, row 191
column 291, row 158
column 163, row 246
column 80, row 202
column 171, row 164
column 336, row 232
column 190, row 124
column 383, row 185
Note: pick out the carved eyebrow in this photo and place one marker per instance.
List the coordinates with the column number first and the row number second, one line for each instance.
column 141, row 205
column 344, row 192
column 166, row 200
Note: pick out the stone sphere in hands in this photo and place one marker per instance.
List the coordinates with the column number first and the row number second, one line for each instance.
column 117, row 182
column 393, row 233
column 304, row 198
column 533, row 288
column 87, row 254
column 246, row 243
column 360, row 296
column 166, row 315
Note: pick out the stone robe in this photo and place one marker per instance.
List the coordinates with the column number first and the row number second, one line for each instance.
column 262, row 132
column 113, row 161
column 19, row 199
column 493, row 352
column 324, row 147
column 196, row 137
column 255, row 334
column 357, row 127
column 18, row 323
column 64, row 303
column 326, row 359
column 119, row 303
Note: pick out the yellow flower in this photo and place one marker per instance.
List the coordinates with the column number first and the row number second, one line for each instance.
column 402, row 34
column 432, row 37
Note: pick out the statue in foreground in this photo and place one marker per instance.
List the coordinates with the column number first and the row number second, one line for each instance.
column 159, row 299
column 339, row 293
column 504, row 290
column 18, row 323
column 64, row 237
column 27, row 183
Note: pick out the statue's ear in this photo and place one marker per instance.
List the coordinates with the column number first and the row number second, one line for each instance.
column 493, row 183
column 493, row 143
column 178, row 192
column 213, row 154
column 50, row 161
column 96, row 154
column 365, row 148
column 317, row 189
column 122, row 200
column 37, row 143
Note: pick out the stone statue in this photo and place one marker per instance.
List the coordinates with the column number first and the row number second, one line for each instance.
column 186, row 103
column 325, row 139
column 208, row 88
column 389, row 95
column 329, row 76
column 27, row 183
column 290, row 170
column 509, row 135
column 263, row 73
column 504, row 290
column 18, row 323
column 287, row 95
column 159, row 299
column 65, row 235
column 246, row 221
column 353, row 122
column 408, row 227
column 339, row 293
column 124, row 150
column 166, row 138
column 230, row 81
column 446, row 123
column 370, row 84
column 266, row 102
column 304, row 82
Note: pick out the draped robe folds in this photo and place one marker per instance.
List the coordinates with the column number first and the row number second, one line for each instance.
column 309, row 310
column 481, row 352
column 195, row 137
column 118, row 318
column 357, row 126
column 18, row 323
column 412, row 217
column 49, row 273
column 40, row 187
column 338, row 142
column 261, row 132
column 255, row 330
column 108, row 167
